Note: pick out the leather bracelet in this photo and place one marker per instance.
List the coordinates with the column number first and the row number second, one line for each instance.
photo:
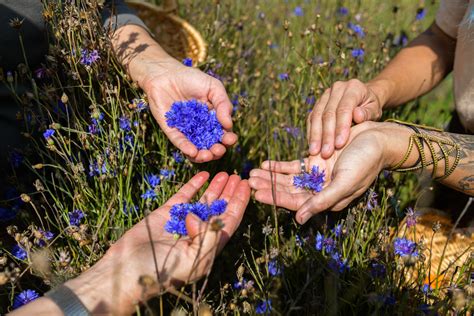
column 67, row 301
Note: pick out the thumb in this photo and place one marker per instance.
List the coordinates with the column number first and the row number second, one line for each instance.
column 367, row 112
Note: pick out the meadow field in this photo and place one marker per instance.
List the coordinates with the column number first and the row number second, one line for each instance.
column 275, row 59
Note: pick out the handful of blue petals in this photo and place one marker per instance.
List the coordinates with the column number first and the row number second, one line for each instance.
column 196, row 122
column 312, row 181
column 177, row 223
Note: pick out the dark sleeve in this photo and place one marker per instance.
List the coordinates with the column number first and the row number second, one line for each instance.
column 116, row 14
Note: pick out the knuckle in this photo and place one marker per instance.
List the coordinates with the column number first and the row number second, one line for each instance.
column 328, row 115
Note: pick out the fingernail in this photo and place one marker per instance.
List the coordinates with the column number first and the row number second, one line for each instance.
column 339, row 140
column 312, row 147
column 326, row 148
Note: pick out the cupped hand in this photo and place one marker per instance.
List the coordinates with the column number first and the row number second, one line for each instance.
column 169, row 81
column 349, row 173
column 329, row 123
column 148, row 250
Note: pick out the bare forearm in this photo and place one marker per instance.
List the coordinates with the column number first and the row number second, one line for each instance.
column 461, row 178
column 137, row 50
column 416, row 69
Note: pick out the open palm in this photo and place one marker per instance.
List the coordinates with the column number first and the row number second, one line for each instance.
column 178, row 83
column 349, row 172
column 147, row 249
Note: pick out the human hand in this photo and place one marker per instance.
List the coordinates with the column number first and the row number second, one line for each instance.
column 147, row 250
column 349, row 172
column 329, row 124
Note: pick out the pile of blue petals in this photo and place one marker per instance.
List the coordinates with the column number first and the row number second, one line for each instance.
column 196, row 122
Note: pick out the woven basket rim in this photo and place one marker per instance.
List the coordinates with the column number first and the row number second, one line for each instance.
column 186, row 26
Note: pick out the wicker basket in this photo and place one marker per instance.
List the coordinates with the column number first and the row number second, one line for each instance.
column 179, row 38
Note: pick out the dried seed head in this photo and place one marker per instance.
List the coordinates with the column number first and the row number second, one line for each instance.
column 217, row 224
column 25, row 198
column 436, row 226
column 16, row 23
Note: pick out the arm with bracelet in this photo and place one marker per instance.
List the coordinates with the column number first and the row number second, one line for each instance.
column 372, row 147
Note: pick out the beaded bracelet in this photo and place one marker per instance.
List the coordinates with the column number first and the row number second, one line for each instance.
column 418, row 139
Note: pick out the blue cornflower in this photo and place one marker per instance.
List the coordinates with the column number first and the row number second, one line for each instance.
column 310, row 181
column 319, row 241
column 140, row 105
column 149, row 194
column 177, row 222
column 405, row 247
column 75, row 217
column 377, row 270
column 19, row 253
column 274, row 268
column 299, row 241
column 96, row 117
column 96, row 170
column 337, row 230
column 343, row 11
column 188, row 62
column 426, row 288
column 358, row 30
column 46, row 234
column 167, row 174
column 178, row 158
column 283, row 76
column 264, row 307
column 337, row 263
column 196, row 122
column 48, row 133
column 298, row 11
column 125, row 124
column 153, row 180
column 7, row 214
column 243, row 284
column 89, row 57
column 93, row 129
column 420, row 14
column 24, row 298
column 129, row 208
column 329, row 245
column 358, row 53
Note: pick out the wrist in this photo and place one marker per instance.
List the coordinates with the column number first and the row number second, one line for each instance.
column 382, row 89
column 395, row 141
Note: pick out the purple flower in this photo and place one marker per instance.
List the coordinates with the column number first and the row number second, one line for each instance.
column 293, row 131
column 357, row 53
column 177, row 222
column 149, row 194
column 188, row 62
column 96, row 170
column 196, row 122
column 319, row 241
column 358, row 30
column 24, row 298
column 310, row 181
column 46, row 234
column 337, row 230
column 125, row 124
column 420, row 14
column 40, row 73
column 343, row 11
column 75, row 217
column 310, row 100
column 372, row 200
column 48, row 133
column 298, row 11
column 93, row 129
column 283, row 76
column 274, row 268
column 404, row 247
column 264, row 307
column 214, row 75
column 19, row 253
column 153, row 180
column 411, row 217
column 426, row 288
column 89, row 57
